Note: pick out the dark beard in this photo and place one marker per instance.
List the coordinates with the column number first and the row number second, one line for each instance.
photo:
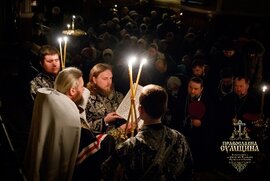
column 103, row 92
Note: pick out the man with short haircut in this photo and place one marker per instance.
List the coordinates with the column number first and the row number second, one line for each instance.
column 241, row 104
column 51, row 65
column 196, row 116
column 156, row 152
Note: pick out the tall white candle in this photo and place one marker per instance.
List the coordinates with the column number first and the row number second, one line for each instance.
column 73, row 22
column 143, row 61
column 264, row 88
column 60, row 49
column 130, row 62
column 65, row 50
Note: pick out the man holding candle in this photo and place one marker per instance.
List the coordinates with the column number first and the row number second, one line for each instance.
column 156, row 152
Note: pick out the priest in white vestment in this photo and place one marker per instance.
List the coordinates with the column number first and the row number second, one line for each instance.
column 54, row 137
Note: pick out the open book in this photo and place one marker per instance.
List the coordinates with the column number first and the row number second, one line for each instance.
column 123, row 108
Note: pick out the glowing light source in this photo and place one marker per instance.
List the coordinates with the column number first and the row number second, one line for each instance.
column 63, row 51
column 143, row 61
column 132, row 117
column 60, row 49
column 264, row 88
column 73, row 22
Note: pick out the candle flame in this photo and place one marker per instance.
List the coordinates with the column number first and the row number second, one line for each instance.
column 65, row 38
column 131, row 60
column 59, row 39
column 264, row 88
column 143, row 61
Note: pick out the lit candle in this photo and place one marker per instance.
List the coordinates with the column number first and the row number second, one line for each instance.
column 115, row 8
column 264, row 88
column 131, row 116
column 65, row 50
column 143, row 61
column 73, row 20
column 60, row 49
column 130, row 62
column 68, row 26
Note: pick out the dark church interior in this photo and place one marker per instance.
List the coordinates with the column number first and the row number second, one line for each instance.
column 197, row 27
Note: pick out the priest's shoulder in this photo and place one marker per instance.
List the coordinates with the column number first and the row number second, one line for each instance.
column 45, row 90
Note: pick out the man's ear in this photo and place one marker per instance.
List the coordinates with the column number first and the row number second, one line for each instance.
column 72, row 91
column 94, row 80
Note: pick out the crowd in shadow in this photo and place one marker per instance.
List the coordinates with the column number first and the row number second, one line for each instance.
column 210, row 79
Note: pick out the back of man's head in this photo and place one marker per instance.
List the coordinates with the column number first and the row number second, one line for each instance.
column 153, row 100
column 67, row 78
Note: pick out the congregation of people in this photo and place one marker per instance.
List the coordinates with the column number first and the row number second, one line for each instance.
column 194, row 90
